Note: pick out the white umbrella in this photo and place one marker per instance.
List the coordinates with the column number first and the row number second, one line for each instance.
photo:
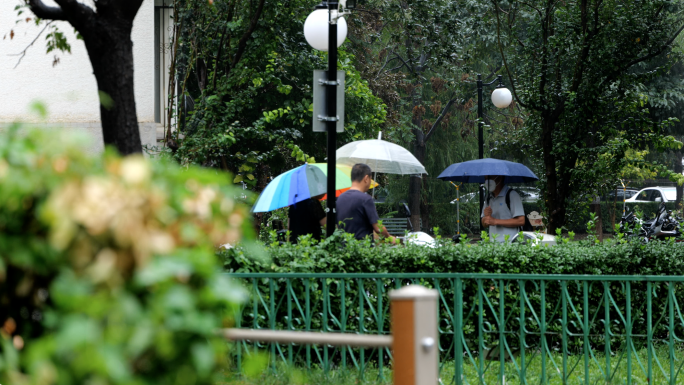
column 381, row 156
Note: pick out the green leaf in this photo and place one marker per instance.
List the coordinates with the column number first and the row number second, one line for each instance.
column 105, row 100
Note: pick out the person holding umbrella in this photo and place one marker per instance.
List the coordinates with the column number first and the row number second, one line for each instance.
column 301, row 189
column 306, row 217
column 503, row 211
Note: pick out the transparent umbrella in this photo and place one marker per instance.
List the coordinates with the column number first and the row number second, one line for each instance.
column 381, row 156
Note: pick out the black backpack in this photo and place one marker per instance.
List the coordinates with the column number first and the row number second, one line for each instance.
column 527, row 226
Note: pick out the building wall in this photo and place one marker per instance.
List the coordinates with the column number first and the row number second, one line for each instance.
column 68, row 89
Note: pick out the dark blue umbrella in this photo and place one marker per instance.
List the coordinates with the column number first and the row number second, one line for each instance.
column 474, row 171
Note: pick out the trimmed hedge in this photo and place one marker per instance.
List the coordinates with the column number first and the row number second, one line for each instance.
column 343, row 254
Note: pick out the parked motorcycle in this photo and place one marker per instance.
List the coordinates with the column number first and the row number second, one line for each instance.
column 664, row 225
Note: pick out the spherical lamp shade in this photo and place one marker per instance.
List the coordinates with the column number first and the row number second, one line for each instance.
column 316, row 29
column 501, row 97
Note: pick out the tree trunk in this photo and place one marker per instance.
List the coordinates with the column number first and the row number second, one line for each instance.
column 111, row 54
column 416, row 181
column 612, row 215
column 106, row 31
column 596, row 209
column 555, row 206
column 424, row 207
column 678, row 170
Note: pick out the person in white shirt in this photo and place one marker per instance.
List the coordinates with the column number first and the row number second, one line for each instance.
column 500, row 218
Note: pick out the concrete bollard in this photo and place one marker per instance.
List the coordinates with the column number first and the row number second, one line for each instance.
column 415, row 345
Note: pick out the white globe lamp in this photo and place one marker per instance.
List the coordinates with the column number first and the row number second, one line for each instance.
column 316, row 29
column 501, row 97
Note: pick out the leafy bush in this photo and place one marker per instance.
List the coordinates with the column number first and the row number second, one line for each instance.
column 343, row 254
column 108, row 271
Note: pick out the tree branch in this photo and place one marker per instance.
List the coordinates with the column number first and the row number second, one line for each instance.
column 130, row 8
column 218, row 55
column 46, row 12
column 658, row 52
column 508, row 71
column 117, row 8
column 242, row 44
column 75, row 12
column 387, row 60
column 23, row 53
column 405, row 63
column 586, row 46
column 541, row 16
column 439, row 119
column 395, row 68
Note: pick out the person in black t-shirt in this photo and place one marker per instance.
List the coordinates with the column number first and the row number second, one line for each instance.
column 306, row 217
column 356, row 209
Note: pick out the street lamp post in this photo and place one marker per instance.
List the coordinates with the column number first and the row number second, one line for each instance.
column 501, row 98
column 331, row 108
column 327, row 16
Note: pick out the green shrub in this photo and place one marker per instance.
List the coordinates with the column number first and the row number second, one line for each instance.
column 108, row 271
column 343, row 254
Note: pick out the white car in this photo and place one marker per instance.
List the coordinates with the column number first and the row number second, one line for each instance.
column 655, row 194
column 528, row 194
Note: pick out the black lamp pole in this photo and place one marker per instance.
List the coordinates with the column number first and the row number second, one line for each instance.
column 480, row 125
column 331, row 113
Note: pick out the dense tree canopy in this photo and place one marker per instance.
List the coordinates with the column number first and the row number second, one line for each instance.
column 587, row 81
column 250, row 73
column 579, row 69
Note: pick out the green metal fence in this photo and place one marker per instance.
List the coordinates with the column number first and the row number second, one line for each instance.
column 494, row 328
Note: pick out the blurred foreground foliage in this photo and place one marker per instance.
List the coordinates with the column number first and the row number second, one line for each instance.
column 108, row 271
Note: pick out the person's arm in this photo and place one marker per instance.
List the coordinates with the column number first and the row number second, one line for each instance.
column 517, row 212
column 486, row 214
column 372, row 215
column 513, row 222
column 320, row 213
column 384, row 233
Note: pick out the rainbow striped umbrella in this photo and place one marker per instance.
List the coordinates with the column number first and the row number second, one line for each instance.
column 301, row 183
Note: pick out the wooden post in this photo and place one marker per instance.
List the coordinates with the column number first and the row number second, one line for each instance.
column 415, row 339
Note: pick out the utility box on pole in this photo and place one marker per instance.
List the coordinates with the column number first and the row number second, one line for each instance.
column 415, row 343
column 319, row 113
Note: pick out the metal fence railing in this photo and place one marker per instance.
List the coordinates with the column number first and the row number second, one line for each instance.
column 414, row 323
column 493, row 328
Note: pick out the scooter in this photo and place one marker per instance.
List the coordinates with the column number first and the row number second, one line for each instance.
column 663, row 226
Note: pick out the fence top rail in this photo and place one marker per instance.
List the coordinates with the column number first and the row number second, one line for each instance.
column 513, row 277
